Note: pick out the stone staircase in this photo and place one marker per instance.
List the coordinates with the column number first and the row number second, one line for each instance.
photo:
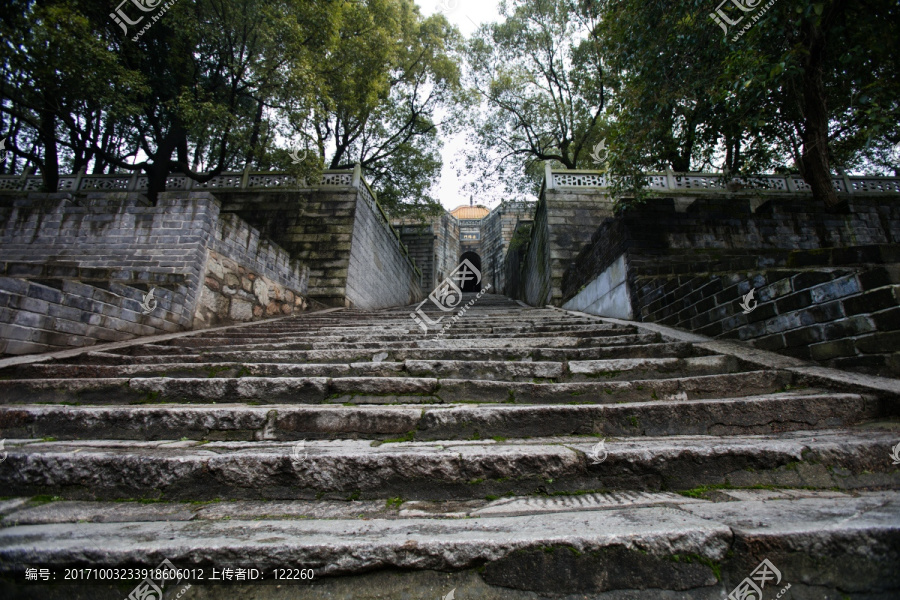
column 396, row 465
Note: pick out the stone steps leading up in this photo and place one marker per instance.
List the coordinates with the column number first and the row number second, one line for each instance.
column 528, row 453
column 693, row 548
column 611, row 369
column 444, row 469
column 730, row 416
column 385, row 389
column 653, row 350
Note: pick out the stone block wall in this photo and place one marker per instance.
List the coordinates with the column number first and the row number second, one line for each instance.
column 826, row 286
column 76, row 268
column 313, row 226
column 336, row 232
column 420, row 242
column 514, row 261
column 40, row 312
column 564, row 221
column 496, row 232
column 248, row 277
column 380, row 274
column 433, row 246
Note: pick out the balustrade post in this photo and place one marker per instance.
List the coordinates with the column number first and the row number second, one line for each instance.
column 847, row 185
column 670, row 179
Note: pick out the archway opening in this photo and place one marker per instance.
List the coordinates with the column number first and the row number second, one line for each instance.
column 471, row 281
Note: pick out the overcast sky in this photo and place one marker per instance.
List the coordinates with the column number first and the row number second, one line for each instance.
column 466, row 15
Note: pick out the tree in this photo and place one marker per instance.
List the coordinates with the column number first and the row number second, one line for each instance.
column 382, row 86
column 803, row 87
column 56, row 78
column 541, row 83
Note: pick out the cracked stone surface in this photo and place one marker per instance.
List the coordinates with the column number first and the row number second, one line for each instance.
column 528, row 454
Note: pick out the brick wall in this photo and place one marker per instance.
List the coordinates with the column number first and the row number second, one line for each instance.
column 826, row 286
column 313, row 226
column 76, row 269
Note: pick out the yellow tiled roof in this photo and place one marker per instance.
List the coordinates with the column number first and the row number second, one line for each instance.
column 470, row 212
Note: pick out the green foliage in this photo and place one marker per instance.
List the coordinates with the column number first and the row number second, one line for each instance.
column 687, row 98
column 542, row 86
column 214, row 85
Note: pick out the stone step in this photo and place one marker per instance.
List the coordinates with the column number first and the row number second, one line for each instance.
column 730, row 416
column 679, row 550
column 409, row 326
column 383, row 337
column 445, row 469
column 485, row 370
column 654, row 350
column 448, row 344
column 528, row 454
column 384, row 390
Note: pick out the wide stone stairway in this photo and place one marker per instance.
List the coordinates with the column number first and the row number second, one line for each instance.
column 528, row 454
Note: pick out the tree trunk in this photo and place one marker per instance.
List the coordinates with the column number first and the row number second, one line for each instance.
column 814, row 164
column 157, row 173
column 50, row 165
column 254, row 136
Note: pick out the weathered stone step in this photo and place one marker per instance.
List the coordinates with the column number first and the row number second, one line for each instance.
column 752, row 415
column 377, row 337
column 446, row 469
column 419, row 342
column 696, row 550
column 44, row 510
column 511, row 323
column 656, row 350
column 619, row 369
column 384, row 390
column 681, row 549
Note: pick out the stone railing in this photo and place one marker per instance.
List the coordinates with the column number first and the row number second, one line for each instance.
column 246, row 180
column 717, row 182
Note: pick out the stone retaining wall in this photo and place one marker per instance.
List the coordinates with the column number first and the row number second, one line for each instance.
column 78, row 269
column 380, row 274
column 826, row 286
column 336, row 232
column 564, row 221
